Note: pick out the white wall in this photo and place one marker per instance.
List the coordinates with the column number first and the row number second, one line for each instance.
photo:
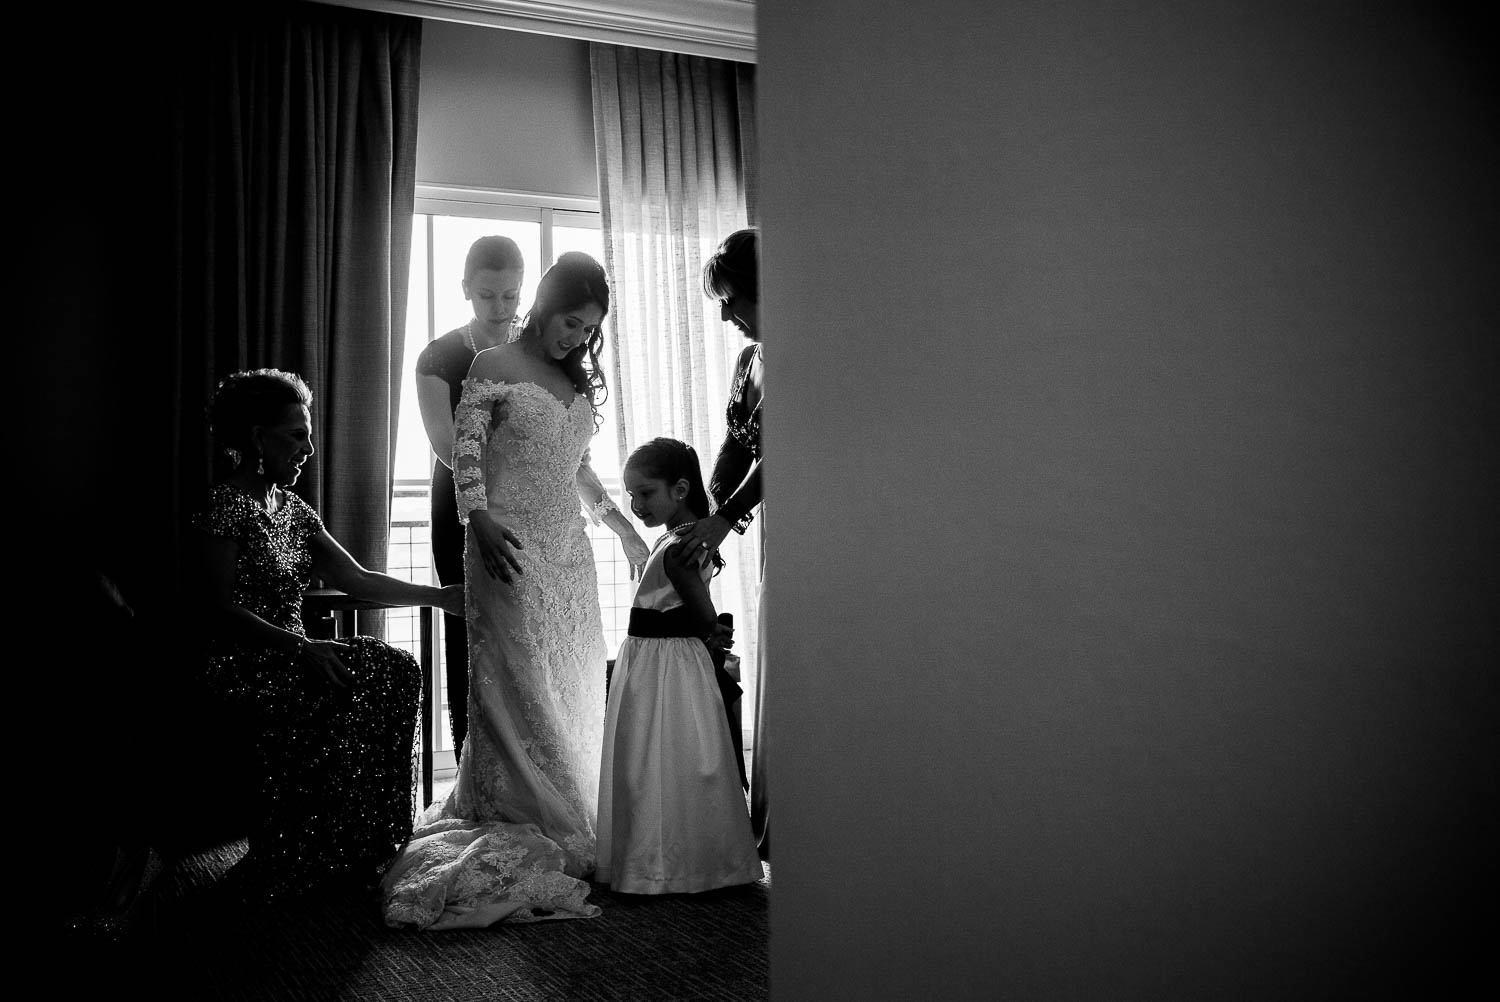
column 505, row 109
column 1165, row 334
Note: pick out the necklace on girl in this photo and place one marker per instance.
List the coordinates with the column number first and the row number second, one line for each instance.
column 469, row 336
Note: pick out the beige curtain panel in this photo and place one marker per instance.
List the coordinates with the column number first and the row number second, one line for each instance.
column 675, row 140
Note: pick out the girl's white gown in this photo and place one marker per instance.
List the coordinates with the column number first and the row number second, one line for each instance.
column 672, row 814
column 515, row 839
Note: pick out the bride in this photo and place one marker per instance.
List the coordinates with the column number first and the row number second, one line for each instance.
column 514, row 840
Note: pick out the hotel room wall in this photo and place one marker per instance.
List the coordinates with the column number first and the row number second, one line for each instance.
column 1132, row 575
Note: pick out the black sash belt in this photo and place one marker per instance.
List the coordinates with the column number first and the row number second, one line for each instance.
column 678, row 622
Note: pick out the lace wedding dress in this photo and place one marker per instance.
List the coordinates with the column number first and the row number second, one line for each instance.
column 515, row 839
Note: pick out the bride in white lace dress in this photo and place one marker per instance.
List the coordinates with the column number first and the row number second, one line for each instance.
column 515, row 839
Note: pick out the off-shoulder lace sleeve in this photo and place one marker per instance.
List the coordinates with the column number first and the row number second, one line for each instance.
column 476, row 414
column 596, row 500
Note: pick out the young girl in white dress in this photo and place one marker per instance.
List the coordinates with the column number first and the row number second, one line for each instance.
column 672, row 813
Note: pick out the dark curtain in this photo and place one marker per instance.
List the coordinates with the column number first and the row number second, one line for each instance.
column 193, row 192
column 675, row 140
column 294, row 171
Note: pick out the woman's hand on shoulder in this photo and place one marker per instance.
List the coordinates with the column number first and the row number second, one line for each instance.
column 677, row 560
column 683, row 560
column 326, row 657
column 706, row 534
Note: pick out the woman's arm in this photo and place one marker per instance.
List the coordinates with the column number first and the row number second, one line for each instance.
column 471, row 433
column 735, row 484
column 218, row 558
column 736, row 490
column 481, row 404
column 437, row 419
column 735, row 509
column 730, row 466
column 602, row 508
column 337, row 566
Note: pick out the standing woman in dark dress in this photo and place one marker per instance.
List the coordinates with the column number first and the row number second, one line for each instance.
column 493, row 272
column 333, row 721
column 731, row 276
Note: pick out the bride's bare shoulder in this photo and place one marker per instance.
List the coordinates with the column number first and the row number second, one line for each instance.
column 498, row 364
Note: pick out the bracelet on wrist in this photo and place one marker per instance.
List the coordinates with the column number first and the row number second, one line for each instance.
column 737, row 520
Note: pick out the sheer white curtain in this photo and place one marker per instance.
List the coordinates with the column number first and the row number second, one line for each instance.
column 675, row 140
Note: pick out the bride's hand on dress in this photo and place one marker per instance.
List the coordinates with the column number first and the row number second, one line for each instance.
column 495, row 544
column 636, row 552
column 327, row 656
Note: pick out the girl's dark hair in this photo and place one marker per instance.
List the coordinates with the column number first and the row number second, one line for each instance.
column 672, row 460
column 734, row 267
column 495, row 253
column 575, row 280
column 246, row 399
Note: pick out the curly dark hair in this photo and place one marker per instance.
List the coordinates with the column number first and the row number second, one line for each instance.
column 575, row 280
column 246, row 399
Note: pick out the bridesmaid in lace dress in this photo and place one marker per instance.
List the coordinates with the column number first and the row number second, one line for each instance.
column 334, row 720
column 515, row 840
column 731, row 276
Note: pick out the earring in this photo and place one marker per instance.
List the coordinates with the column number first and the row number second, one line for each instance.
column 260, row 466
column 234, row 457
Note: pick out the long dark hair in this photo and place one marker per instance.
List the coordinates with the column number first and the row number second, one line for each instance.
column 575, row 280
column 671, row 460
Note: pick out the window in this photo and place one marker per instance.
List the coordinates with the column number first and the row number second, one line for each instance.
column 442, row 231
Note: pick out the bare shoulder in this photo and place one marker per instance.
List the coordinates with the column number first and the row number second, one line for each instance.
column 498, row 363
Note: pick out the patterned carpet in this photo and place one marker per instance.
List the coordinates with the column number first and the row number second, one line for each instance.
column 190, row 942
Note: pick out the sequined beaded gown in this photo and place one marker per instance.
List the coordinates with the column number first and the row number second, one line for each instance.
column 743, row 438
column 335, row 775
column 515, row 839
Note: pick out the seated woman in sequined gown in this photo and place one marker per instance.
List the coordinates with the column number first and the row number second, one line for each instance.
column 515, row 839
column 334, row 720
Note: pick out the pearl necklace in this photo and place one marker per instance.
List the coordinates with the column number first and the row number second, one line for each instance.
column 469, row 336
